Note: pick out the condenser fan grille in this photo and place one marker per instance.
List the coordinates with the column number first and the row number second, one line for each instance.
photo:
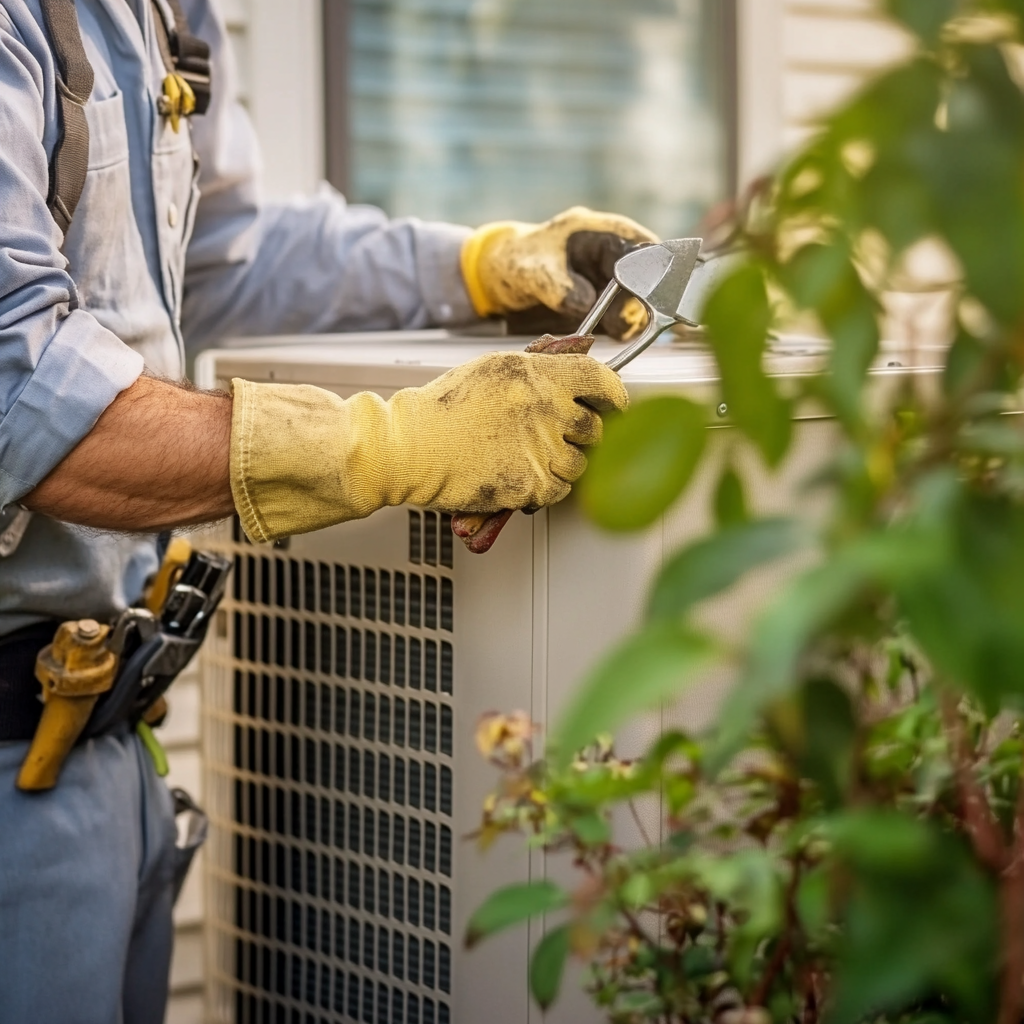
column 341, row 783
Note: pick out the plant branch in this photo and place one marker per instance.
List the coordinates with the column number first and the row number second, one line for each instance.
column 639, row 823
column 978, row 819
column 637, row 928
column 785, row 943
column 1011, row 1005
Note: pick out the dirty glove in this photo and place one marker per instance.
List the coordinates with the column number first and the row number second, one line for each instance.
column 547, row 277
column 502, row 431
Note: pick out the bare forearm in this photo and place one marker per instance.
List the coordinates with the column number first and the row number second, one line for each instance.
column 157, row 458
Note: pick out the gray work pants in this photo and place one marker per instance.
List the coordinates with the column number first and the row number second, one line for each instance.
column 86, row 889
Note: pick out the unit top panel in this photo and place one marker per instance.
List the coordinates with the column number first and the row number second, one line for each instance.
column 408, row 359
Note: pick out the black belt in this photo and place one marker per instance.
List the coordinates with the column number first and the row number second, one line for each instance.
column 20, row 707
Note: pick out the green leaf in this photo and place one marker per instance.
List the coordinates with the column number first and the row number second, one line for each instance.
column 924, row 18
column 637, row 891
column 548, row 966
column 921, row 920
column 748, row 881
column 849, row 316
column 824, row 278
column 964, row 363
column 730, row 500
column 713, row 565
column 802, row 611
column 514, row 905
column 814, row 901
column 738, row 318
column 828, row 750
column 645, row 670
column 646, row 461
column 971, row 173
column 965, row 611
column 818, row 731
column 700, row 961
column 591, row 829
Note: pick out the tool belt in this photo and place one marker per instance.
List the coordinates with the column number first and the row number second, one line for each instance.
column 98, row 678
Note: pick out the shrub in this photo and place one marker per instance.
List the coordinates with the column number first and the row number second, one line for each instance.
column 846, row 844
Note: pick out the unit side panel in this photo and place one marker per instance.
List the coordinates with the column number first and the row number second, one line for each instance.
column 494, row 634
column 788, row 491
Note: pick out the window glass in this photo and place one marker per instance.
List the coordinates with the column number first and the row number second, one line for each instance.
column 472, row 110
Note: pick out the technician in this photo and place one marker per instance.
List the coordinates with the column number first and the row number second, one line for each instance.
column 132, row 227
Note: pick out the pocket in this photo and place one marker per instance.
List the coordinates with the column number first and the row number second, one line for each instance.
column 108, row 135
column 193, row 826
column 103, row 246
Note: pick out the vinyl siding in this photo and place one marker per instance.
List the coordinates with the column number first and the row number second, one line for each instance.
column 829, row 49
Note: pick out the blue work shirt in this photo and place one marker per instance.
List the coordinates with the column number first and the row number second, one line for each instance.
column 171, row 248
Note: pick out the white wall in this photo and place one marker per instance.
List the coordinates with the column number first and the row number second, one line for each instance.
column 278, row 50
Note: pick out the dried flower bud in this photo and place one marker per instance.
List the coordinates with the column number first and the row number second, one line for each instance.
column 505, row 739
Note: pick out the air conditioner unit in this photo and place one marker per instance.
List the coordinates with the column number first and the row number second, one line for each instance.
column 344, row 682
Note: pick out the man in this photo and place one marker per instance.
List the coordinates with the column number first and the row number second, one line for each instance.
column 170, row 245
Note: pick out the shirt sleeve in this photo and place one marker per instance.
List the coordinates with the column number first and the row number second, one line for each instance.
column 59, row 369
column 309, row 265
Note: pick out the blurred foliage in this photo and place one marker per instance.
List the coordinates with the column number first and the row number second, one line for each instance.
column 846, row 843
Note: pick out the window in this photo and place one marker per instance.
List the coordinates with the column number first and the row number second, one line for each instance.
column 475, row 110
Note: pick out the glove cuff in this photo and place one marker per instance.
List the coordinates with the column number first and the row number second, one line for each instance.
column 302, row 458
column 243, row 416
column 472, row 270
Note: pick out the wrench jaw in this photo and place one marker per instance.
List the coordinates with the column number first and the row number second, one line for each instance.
column 657, row 275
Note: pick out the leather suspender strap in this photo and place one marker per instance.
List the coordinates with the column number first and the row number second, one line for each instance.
column 183, row 53
column 74, row 86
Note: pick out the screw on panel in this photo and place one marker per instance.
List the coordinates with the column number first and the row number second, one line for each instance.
column 723, row 409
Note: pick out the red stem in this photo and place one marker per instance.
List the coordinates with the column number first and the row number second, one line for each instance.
column 784, row 945
column 1011, row 1004
column 978, row 819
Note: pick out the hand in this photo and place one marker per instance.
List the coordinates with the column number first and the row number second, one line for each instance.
column 504, row 431
column 547, row 277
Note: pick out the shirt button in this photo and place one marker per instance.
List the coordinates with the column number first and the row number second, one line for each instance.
column 445, row 311
column 172, row 215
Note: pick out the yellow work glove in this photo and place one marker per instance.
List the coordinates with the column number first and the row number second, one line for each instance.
column 503, row 431
column 547, row 277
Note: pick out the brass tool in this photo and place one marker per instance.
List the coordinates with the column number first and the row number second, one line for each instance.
column 177, row 101
column 74, row 671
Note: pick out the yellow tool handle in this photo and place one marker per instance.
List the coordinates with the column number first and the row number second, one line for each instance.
column 62, row 723
column 179, row 551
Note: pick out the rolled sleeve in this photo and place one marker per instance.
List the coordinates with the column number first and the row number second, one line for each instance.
column 439, row 255
column 59, row 368
column 319, row 264
column 82, row 369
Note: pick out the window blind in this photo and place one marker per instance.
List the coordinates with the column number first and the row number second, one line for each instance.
column 472, row 110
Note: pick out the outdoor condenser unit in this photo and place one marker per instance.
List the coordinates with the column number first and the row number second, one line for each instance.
column 344, row 681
